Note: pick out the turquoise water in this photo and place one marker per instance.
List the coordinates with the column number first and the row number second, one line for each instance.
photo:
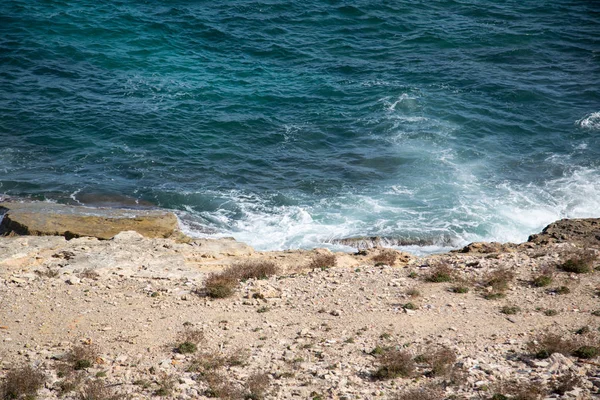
column 289, row 124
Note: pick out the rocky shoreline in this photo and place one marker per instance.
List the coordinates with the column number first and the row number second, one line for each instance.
column 489, row 321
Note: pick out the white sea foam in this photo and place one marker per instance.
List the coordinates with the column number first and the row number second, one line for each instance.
column 591, row 121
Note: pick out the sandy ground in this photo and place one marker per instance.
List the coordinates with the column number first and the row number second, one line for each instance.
column 301, row 334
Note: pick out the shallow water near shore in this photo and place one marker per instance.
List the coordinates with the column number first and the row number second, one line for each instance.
column 288, row 125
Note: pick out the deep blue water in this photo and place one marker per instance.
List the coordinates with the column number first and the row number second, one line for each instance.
column 286, row 124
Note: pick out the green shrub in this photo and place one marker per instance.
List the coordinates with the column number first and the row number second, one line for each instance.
column 441, row 272
column 188, row 341
column 547, row 344
column 510, row 310
column 587, row 352
column 459, row 289
column 542, row 280
column 579, row 262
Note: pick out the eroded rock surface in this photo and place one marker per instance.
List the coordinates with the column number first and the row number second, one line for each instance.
column 585, row 232
column 41, row 218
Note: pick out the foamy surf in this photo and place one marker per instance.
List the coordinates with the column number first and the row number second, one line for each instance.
column 591, row 121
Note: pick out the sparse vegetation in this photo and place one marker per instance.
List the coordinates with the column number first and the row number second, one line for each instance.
column 413, row 292
column 89, row 274
column 220, row 387
column 560, row 290
column 409, row 306
column 441, row 361
column 550, row 313
column 223, row 284
column 516, row 390
column 547, row 344
column 441, row 272
column 587, row 352
column 542, row 280
column 220, row 285
column 48, row 273
column 258, row 385
column 459, row 289
column 583, row 330
column 81, row 357
column 510, row 310
column 259, row 269
column 386, row 257
column 498, row 280
column 166, row 384
column 21, row 383
column 425, row 393
column 188, row 341
column 579, row 262
column 566, row 383
column 210, row 361
column 97, row 390
column 394, row 364
column 322, row 261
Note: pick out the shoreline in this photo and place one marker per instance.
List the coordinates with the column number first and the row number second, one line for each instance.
column 309, row 331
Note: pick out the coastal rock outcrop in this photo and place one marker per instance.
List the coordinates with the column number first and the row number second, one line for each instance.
column 41, row 218
column 585, row 232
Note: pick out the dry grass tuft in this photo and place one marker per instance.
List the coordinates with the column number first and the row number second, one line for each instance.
column 166, row 384
column 322, row 261
column 223, row 284
column 424, row 393
column 440, row 272
column 499, row 279
column 210, row 361
column 48, row 273
column 97, row 390
column 82, row 357
column 385, row 257
column 89, row 273
column 257, row 269
column 219, row 286
column 221, row 388
column 547, row 344
column 497, row 282
column 21, row 383
column 441, row 361
column 510, row 310
column 524, row 390
column 579, row 261
column 393, row 364
column 544, row 278
column 566, row 383
column 188, row 341
column 257, row 385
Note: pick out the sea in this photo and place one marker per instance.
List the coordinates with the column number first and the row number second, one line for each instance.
column 291, row 124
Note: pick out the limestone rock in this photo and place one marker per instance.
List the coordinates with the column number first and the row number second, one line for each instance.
column 41, row 218
column 585, row 232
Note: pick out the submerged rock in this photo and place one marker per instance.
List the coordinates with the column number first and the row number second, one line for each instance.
column 41, row 218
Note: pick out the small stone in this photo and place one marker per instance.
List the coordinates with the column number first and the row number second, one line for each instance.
column 336, row 313
column 73, row 280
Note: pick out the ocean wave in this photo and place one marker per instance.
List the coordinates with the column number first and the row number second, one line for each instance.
column 591, row 121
